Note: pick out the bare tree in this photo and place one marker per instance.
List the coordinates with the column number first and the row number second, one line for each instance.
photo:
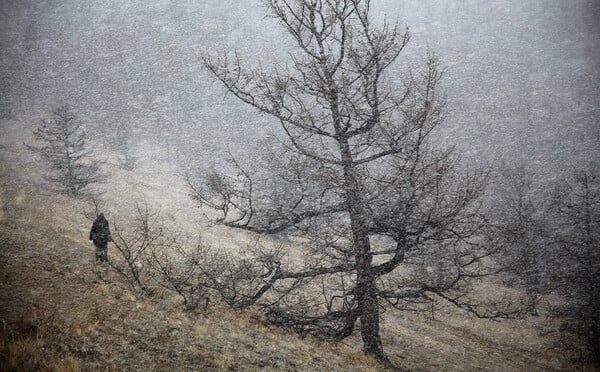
column 576, row 212
column 63, row 146
column 383, row 217
column 123, row 143
column 133, row 244
column 195, row 272
column 178, row 268
column 523, row 232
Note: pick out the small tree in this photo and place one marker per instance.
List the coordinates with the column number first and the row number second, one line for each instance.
column 123, row 142
column 133, row 245
column 383, row 217
column 63, row 146
column 179, row 268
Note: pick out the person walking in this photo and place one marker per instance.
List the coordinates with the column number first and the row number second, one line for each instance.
column 100, row 235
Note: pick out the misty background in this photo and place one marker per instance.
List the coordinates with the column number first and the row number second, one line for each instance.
column 522, row 78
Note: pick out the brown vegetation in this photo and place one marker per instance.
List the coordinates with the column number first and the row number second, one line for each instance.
column 61, row 312
column 57, row 314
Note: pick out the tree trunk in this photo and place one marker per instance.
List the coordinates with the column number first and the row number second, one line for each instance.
column 369, row 316
column 366, row 290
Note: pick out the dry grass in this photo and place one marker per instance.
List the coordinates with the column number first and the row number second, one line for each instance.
column 60, row 312
column 59, row 315
column 30, row 354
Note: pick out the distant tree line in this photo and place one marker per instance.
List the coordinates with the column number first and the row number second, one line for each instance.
column 551, row 244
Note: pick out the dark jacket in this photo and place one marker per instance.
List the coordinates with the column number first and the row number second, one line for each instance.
column 100, row 232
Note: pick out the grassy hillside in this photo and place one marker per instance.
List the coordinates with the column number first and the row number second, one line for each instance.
column 59, row 311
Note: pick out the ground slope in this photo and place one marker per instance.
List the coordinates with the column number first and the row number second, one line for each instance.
column 58, row 309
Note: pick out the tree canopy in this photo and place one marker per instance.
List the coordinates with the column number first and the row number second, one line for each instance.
column 385, row 217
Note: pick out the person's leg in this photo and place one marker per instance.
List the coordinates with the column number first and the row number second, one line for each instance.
column 105, row 252
column 98, row 253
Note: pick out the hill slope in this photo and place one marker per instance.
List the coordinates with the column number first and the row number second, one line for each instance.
column 59, row 311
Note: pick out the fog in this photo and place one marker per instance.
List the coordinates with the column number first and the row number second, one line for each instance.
column 356, row 210
column 522, row 79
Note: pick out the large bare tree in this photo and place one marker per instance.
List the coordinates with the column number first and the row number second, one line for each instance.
column 384, row 217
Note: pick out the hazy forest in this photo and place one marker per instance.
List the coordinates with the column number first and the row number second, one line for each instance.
column 300, row 185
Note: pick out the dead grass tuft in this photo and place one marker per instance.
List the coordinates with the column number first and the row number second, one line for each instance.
column 29, row 351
